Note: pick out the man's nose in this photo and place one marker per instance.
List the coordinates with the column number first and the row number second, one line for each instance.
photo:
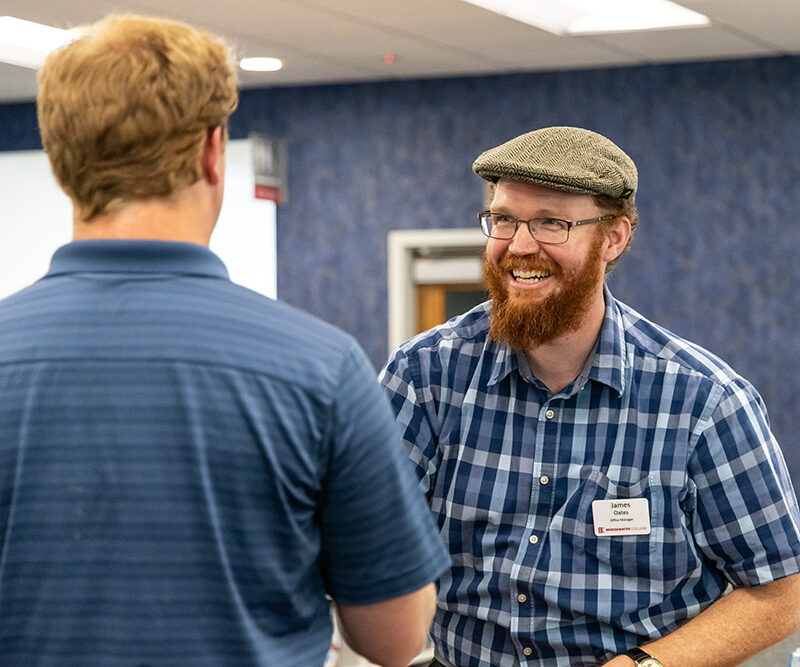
column 523, row 243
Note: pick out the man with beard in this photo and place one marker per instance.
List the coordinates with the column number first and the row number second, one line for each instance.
column 610, row 493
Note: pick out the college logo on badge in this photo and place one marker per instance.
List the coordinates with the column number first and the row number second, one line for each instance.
column 621, row 516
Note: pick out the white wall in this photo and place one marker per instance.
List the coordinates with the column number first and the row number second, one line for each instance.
column 245, row 234
column 36, row 218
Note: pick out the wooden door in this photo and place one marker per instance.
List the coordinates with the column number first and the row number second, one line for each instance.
column 437, row 303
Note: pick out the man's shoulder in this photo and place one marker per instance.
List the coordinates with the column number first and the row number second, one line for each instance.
column 298, row 326
column 652, row 343
column 466, row 333
column 189, row 318
column 268, row 336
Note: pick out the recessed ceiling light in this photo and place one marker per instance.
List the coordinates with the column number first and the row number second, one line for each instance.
column 260, row 64
column 26, row 43
column 575, row 17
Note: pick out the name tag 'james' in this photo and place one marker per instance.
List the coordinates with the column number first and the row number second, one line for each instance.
column 622, row 516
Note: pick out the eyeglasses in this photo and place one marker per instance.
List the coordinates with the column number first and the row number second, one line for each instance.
column 544, row 230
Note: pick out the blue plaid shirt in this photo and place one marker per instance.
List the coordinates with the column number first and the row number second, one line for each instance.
column 511, row 471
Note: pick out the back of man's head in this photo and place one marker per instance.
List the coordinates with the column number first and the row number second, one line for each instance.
column 124, row 110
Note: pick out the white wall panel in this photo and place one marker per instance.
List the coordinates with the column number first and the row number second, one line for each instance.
column 36, row 218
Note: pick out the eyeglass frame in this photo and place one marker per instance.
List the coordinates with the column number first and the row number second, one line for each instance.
column 517, row 222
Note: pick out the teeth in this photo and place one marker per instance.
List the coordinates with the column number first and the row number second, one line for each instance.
column 529, row 276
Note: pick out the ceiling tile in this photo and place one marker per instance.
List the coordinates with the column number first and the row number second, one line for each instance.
column 345, row 40
column 704, row 43
column 775, row 23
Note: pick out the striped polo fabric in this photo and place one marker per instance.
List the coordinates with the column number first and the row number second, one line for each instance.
column 188, row 467
column 518, row 479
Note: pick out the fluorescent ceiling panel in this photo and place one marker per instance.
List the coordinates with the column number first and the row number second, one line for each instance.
column 26, row 43
column 575, row 17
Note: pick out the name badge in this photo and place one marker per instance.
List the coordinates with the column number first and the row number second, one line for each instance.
column 622, row 516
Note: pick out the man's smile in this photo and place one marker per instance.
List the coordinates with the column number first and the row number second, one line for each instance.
column 529, row 277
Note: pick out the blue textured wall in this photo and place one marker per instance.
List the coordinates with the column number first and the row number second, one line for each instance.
column 718, row 149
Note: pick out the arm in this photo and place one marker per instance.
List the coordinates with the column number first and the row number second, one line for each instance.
column 389, row 633
column 747, row 524
column 380, row 548
column 412, row 398
column 734, row 628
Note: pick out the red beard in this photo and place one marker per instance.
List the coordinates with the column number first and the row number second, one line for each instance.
column 525, row 321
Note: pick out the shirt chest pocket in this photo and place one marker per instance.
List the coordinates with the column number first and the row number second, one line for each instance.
column 629, row 556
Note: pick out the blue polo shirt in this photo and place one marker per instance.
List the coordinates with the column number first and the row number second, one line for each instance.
column 188, row 467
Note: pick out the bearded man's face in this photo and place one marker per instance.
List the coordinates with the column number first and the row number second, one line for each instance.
column 542, row 291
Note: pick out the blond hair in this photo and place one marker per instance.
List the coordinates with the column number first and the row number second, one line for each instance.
column 125, row 109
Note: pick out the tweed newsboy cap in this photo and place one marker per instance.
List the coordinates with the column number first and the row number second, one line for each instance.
column 562, row 158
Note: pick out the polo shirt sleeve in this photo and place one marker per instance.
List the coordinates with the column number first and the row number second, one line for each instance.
column 379, row 540
column 746, row 520
column 414, row 406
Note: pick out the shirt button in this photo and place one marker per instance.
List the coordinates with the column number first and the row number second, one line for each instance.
column 544, row 479
column 550, row 414
column 522, row 597
column 527, row 650
column 533, row 539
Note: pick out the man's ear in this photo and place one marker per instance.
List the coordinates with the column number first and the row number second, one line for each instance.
column 617, row 238
column 212, row 154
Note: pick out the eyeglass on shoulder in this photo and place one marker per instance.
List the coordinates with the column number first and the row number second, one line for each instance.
column 544, row 230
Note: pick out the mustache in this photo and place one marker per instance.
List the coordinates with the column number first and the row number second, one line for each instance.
column 528, row 263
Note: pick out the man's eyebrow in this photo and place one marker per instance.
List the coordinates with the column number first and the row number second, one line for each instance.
column 543, row 213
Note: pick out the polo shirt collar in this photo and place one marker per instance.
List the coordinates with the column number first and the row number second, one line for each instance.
column 607, row 364
column 134, row 256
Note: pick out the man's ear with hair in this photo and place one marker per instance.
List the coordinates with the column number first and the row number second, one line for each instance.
column 617, row 236
column 212, row 153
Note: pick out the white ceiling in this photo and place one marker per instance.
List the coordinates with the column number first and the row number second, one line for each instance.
column 336, row 41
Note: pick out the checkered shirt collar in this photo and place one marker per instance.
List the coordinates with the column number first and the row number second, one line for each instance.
column 608, row 364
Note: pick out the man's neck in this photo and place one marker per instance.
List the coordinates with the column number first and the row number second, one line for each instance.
column 558, row 362
column 185, row 216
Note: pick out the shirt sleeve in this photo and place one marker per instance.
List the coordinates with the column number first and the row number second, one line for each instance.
column 379, row 540
column 414, row 406
column 747, row 520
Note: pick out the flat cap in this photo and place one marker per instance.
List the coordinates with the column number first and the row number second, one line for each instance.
column 562, row 158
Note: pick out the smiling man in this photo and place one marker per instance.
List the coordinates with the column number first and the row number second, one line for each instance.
column 610, row 493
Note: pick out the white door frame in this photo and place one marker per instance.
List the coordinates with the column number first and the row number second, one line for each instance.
column 406, row 270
